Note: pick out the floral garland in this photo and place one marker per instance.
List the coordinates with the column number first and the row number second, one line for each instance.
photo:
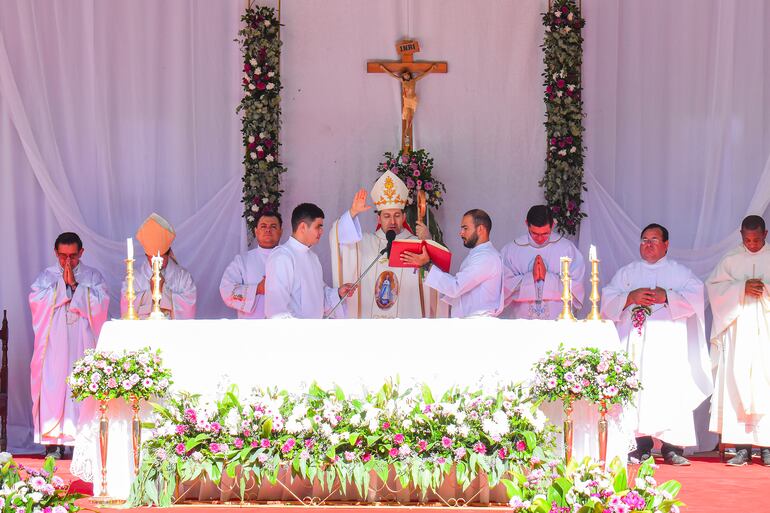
column 639, row 316
column 327, row 436
column 586, row 486
column 106, row 375
column 563, row 48
column 26, row 490
column 261, row 110
column 599, row 377
column 416, row 170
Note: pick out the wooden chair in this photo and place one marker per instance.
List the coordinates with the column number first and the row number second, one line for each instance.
column 4, row 385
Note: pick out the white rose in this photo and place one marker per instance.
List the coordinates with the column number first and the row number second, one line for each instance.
column 355, row 420
column 270, row 86
column 269, row 158
column 251, row 139
column 253, row 156
column 258, row 71
column 267, row 23
column 265, row 200
column 253, row 62
column 263, row 135
column 252, row 87
column 271, row 74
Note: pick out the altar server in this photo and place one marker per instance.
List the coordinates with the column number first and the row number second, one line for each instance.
column 69, row 304
column 178, row 292
column 243, row 284
column 294, row 285
column 477, row 289
column 533, row 286
column 740, row 344
column 657, row 305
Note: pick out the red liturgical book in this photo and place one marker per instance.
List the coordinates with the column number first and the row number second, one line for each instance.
column 439, row 255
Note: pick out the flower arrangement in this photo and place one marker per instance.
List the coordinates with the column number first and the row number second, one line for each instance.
column 563, row 55
column 26, row 490
column 600, row 377
column 107, row 375
column 639, row 315
column 587, row 487
column 330, row 437
column 416, row 170
column 260, row 43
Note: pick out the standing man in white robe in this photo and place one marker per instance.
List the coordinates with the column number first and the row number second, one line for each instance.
column 352, row 251
column 740, row 344
column 532, row 263
column 477, row 289
column 294, row 285
column 243, row 284
column 657, row 306
column 69, row 304
column 178, row 292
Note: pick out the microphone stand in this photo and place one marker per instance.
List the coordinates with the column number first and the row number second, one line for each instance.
column 386, row 250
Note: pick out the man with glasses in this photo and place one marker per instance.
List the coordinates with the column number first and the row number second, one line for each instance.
column 657, row 306
column 69, row 304
column 740, row 341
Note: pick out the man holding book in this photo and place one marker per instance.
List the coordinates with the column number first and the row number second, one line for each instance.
column 477, row 289
column 385, row 292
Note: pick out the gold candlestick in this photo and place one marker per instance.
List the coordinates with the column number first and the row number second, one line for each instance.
column 130, row 314
column 104, row 433
column 157, row 263
column 569, row 432
column 603, row 432
column 136, row 432
column 595, row 297
column 566, row 294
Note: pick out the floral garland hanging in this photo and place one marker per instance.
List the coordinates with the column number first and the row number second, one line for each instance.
column 563, row 49
column 260, row 107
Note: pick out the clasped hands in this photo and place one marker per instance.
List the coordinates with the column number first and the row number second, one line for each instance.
column 647, row 297
column 755, row 288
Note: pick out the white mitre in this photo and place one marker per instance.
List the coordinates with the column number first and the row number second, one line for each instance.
column 389, row 191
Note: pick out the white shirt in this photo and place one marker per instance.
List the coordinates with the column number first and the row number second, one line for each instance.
column 294, row 286
column 477, row 289
column 238, row 287
column 526, row 299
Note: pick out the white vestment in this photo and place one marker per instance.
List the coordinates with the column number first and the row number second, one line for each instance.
column 178, row 295
column 477, row 289
column 740, row 348
column 385, row 292
column 65, row 325
column 526, row 299
column 238, row 287
column 671, row 351
column 295, row 286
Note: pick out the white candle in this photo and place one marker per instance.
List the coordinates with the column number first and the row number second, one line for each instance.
column 592, row 253
column 130, row 248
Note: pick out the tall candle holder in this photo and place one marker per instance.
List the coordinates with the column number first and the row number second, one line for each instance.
column 566, row 294
column 130, row 314
column 157, row 263
column 594, row 315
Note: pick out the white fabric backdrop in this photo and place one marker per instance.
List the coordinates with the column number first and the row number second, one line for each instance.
column 110, row 110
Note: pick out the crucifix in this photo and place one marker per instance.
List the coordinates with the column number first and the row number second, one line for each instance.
column 408, row 73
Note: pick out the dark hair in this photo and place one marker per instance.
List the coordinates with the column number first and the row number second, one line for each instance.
column 753, row 223
column 269, row 214
column 659, row 227
column 480, row 218
column 305, row 213
column 540, row 215
column 68, row 238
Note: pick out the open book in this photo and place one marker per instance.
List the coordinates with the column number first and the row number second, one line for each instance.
column 439, row 255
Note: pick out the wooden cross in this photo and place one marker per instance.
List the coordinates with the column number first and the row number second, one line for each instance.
column 408, row 73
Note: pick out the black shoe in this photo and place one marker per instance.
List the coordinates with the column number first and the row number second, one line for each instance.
column 672, row 458
column 54, row 451
column 765, row 453
column 742, row 457
column 638, row 456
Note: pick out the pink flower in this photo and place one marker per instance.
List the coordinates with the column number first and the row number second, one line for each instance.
column 446, row 442
column 214, row 447
column 189, row 414
column 112, row 383
column 559, row 83
column 502, row 453
column 238, row 443
column 404, row 158
column 460, row 453
column 398, row 439
column 265, row 443
column 366, row 457
column 288, row 446
column 180, row 449
column 261, row 86
column 385, row 425
column 521, row 446
column 422, row 445
column 181, row 429
column 349, row 456
column 216, row 427
column 416, row 173
column 440, row 460
column 393, row 452
column 246, row 432
column 255, row 443
column 309, row 443
column 479, row 448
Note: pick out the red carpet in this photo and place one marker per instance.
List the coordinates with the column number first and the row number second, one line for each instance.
column 708, row 486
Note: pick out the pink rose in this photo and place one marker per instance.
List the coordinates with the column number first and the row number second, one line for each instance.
column 521, row 445
column 398, row 439
column 446, row 442
column 393, row 452
column 422, row 445
column 479, row 448
column 180, row 449
column 265, row 443
column 366, row 457
column 238, row 443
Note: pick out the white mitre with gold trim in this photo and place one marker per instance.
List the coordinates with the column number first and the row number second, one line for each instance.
column 389, row 191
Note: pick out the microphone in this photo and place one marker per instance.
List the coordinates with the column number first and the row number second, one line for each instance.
column 390, row 236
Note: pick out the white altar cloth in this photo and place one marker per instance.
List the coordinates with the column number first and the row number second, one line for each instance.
column 207, row 355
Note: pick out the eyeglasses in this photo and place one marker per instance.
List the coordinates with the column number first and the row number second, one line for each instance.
column 651, row 242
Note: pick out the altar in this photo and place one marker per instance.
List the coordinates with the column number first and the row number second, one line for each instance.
column 206, row 356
